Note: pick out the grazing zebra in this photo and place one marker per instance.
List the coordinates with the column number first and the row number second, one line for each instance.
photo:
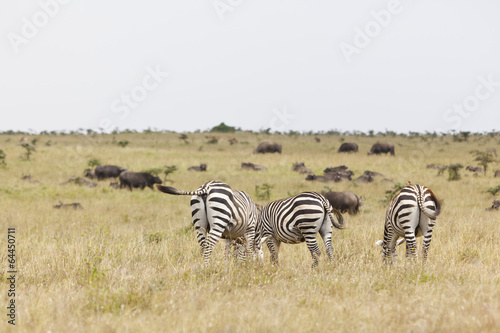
column 220, row 212
column 412, row 213
column 297, row 219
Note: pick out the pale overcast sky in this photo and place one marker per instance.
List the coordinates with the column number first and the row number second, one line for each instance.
column 288, row 65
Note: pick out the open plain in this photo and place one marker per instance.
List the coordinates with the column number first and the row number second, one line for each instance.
column 129, row 260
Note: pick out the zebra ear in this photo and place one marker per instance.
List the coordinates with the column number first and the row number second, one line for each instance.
column 379, row 243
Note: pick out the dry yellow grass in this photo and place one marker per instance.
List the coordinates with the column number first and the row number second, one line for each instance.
column 129, row 262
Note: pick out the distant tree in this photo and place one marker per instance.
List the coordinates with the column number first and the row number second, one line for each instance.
column 29, row 150
column 484, row 158
column 167, row 170
column 223, row 128
column 184, row 138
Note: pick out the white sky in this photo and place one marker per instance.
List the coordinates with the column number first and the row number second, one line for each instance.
column 266, row 64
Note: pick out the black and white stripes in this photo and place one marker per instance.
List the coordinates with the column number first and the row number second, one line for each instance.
column 412, row 213
column 297, row 219
column 220, row 212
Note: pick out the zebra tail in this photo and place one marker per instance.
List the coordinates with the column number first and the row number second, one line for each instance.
column 429, row 213
column 330, row 211
column 174, row 191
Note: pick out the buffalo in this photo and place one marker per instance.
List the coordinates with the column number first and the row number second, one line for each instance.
column 267, row 147
column 333, row 174
column 338, row 173
column 497, row 173
column 138, row 179
column 251, row 166
column 348, row 147
column 202, row 167
column 382, row 148
column 318, row 178
column 344, row 201
column 300, row 168
column 370, row 176
column 107, row 171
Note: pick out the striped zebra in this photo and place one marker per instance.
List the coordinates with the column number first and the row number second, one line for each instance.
column 220, row 212
column 297, row 219
column 412, row 213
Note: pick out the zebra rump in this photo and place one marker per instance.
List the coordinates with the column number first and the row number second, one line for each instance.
column 297, row 219
column 219, row 212
column 412, row 213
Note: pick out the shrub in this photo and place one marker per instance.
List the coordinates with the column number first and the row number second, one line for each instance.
column 29, row 150
column 123, row 143
column 493, row 190
column 93, row 162
column 263, row 191
column 3, row 156
column 453, row 171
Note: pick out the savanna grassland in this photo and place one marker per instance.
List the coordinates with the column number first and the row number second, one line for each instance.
column 130, row 262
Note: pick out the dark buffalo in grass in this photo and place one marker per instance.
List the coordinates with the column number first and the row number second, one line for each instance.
column 107, row 171
column 138, row 180
column 251, row 166
column 348, row 147
column 344, row 201
column 267, row 147
column 382, row 148
column 202, row 167
column 300, row 168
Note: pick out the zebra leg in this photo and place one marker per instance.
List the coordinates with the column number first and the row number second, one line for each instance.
column 389, row 247
column 212, row 239
column 200, row 221
column 411, row 244
column 274, row 246
column 312, row 244
column 427, row 236
column 326, row 233
column 249, row 238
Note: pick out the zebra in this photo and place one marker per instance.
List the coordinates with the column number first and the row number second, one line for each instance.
column 297, row 219
column 220, row 212
column 412, row 213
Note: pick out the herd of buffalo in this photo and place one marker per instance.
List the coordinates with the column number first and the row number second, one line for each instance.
column 346, row 147
column 345, row 202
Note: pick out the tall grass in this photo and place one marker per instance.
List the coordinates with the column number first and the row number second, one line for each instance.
column 129, row 261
